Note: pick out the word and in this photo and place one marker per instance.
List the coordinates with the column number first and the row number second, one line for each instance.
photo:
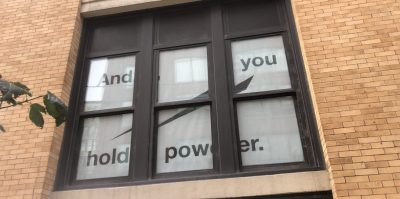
column 105, row 158
column 117, row 79
column 202, row 149
column 258, row 61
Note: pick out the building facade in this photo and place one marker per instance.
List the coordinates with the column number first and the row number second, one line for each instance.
column 204, row 99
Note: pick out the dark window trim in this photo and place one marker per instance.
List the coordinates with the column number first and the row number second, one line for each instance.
column 227, row 160
column 312, row 195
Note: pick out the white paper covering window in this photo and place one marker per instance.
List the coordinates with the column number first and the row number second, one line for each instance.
column 269, row 132
column 263, row 59
column 184, row 140
column 183, row 74
column 110, row 83
column 105, row 147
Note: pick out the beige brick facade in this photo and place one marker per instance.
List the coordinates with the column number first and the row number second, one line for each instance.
column 38, row 46
column 352, row 53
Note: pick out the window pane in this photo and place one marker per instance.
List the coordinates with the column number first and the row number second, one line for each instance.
column 110, row 83
column 263, row 59
column 184, row 140
column 183, row 74
column 268, row 132
column 105, row 147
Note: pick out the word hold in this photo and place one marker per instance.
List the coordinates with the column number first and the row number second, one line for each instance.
column 106, row 158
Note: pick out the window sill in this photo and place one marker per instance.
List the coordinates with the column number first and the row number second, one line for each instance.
column 301, row 182
column 92, row 8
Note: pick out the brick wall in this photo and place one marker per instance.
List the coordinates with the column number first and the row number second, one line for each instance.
column 353, row 51
column 38, row 45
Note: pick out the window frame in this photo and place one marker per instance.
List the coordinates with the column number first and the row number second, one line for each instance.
column 312, row 195
column 226, row 156
column 182, row 104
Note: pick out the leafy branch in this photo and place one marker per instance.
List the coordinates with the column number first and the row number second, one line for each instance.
column 21, row 102
column 10, row 92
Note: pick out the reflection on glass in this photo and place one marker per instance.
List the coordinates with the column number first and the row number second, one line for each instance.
column 265, row 60
column 183, row 74
column 184, row 140
column 269, row 132
column 103, row 152
column 110, row 83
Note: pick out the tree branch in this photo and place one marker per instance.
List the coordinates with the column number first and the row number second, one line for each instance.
column 28, row 100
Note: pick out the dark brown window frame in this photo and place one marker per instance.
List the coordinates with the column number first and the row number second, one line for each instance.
column 222, row 101
column 312, row 195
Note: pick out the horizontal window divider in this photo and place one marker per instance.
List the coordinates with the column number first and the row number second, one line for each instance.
column 107, row 112
column 264, row 94
column 116, row 53
column 182, row 104
column 276, row 30
column 180, row 45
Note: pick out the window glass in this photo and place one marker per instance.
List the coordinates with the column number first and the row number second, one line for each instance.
column 184, row 139
column 105, row 147
column 110, row 83
column 183, row 74
column 264, row 60
column 269, row 132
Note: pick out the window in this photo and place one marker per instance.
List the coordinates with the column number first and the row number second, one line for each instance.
column 206, row 90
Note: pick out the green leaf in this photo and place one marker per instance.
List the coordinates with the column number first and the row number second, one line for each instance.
column 12, row 90
column 24, row 87
column 2, row 129
column 9, row 99
column 55, row 107
column 60, row 120
column 35, row 114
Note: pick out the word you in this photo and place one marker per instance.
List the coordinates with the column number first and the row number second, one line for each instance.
column 257, row 62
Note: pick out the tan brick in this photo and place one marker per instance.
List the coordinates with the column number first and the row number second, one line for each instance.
column 373, row 152
column 375, row 184
column 374, row 197
column 386, row 157
column 392, row 196
column 363, row 159
column 357, row 179
column 381, row 177
column 369, row 139
column 360, row 192
column 389, row 170
column 366, row 171
column 387, row 190
column 347, row 186
column 394, row 163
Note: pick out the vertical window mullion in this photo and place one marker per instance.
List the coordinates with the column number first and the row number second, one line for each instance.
column 77, row 127
column 143, row 113
column 223, row 103
column 304, row 101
